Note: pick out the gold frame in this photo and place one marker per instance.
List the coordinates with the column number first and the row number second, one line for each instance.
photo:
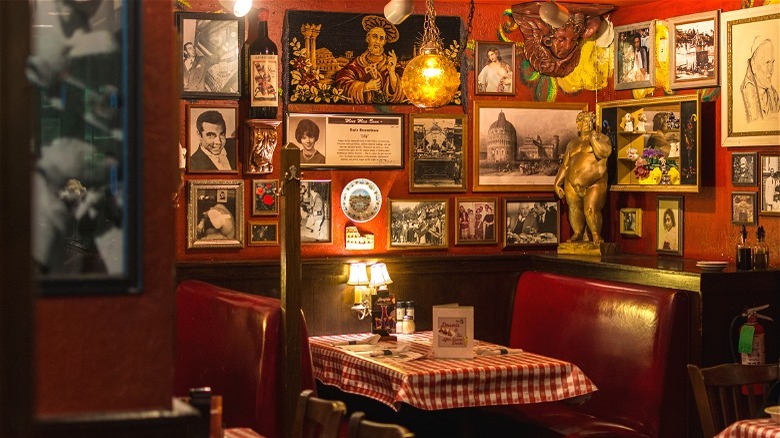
column 194, row 213
column 637, row 230
column 459, row 241
column 408, row 246
column 252, row 242
column 674, row 23
column 433, row 188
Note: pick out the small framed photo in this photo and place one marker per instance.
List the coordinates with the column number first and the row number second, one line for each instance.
column 631, row 222
column 436, row 152
column 743, row 208
column 315, row 211
column 417, row 224
column 743, row 168
column 476, row 221
column 531, row 222
column 211, row 138
column 211, row 43
column 265, row 201
column 770, row 185
column 263, row 232
column 635, row 55
column 496, row 66
column 215, row 217
column 669, row 231
column 693, row 47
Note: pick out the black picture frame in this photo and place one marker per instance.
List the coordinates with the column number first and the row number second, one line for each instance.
column 669, row 241
column 744, row 166
column 198, row 161
column 211, row 70
column 87, row 223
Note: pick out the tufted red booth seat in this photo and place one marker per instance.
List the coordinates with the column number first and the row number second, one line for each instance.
column 631, row 341
column 232, row 342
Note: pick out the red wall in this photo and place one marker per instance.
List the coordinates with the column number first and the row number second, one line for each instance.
column 115, row 353
column 709, row 233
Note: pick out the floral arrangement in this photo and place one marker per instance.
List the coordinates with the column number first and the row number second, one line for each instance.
column 654, row 168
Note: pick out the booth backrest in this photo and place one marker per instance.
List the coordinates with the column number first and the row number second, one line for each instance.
column 232, row 342
column 631, row 341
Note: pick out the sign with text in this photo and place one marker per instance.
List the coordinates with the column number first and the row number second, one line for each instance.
column 453, row 331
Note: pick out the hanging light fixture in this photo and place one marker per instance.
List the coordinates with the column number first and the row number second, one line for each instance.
column 430, row 79
column 554, row 14
column 239, row 8
column 396, row 11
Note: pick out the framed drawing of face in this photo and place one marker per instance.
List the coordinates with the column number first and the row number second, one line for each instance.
column 635, row 55
column 436, row 153
column 476, row 221
column 693, row 47
column 669, row 231
column 417, row 223
column 496, row 67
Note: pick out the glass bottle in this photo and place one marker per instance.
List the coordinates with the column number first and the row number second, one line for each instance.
column 744, row 252
column 261, row 72
column 761, row 250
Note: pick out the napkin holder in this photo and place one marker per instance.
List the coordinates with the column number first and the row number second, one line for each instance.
column 453, row 331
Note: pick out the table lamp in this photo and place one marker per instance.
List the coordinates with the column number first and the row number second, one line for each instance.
column 358, row 277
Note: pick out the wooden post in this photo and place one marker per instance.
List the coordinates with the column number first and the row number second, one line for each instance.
column 290, row 213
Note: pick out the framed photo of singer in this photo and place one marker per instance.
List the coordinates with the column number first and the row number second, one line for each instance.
column 635, row 55
column 669, row 228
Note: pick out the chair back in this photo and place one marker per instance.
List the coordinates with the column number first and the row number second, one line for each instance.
column 316, row 417
column 730, row 392
column 359, row 427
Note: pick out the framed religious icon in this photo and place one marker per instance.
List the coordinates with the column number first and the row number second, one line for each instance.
column 743, row 208
column 265, row 201
column 315, row 211
column 210, row 53
column 631, row 222
column 531, row 222
column 212, row 145
column 215, row 216
column 743, row 168
column 750, row 104
column 669, row 229
column 518, row 146
column 770, row 184
column 477, row 221
column 263, row 232
column 417, row 223
column 634, row 47
column 496, row 66
column 437, row 153
column 693, row 47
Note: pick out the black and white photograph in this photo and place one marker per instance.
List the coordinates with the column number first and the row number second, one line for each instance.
column 315, row 211
column 634, row 48
column 669, row 228
column 770, row 184
column 631, row 222
column 436, row 153
column 743, row 168
column 215, row 217
column 496, row 68
column 210, row 55
column 263, row 232
column 477, row 221
column 531, row 222
column 743, row 208
column 417, row 224
column 693, row 40
column 211, row 138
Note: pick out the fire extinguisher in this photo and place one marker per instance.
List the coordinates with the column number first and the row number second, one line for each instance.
column 752, row 346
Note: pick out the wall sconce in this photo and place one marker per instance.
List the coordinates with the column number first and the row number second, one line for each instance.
column 239, row 8
column 554, row 14
column 380, row 278
column 396, row 11
column 358, row 277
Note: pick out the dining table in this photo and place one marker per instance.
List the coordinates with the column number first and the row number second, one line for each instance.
column 752, row 428
column 404, row 371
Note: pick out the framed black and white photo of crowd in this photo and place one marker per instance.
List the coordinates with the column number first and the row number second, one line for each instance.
column 477, row 221
column 417, row 223
column 693, row 47
column 532, row 222
column 495, row 68
column 770, row 185
column 669, row 228
column 212, row 142
column 743, row 168
column 634, row 47
column 215, row 214
column 743, row 208
column 211, row 55
column 315, row 211
column 436, row 153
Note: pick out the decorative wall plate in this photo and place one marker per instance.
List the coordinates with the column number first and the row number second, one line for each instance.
column 361, row 200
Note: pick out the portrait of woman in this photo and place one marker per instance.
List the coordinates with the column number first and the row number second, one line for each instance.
column 496, row 63
column 670, row 225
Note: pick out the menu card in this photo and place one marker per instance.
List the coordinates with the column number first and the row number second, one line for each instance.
column 453, row 331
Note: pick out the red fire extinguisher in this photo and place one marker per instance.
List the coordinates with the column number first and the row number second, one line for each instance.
column 752, row 346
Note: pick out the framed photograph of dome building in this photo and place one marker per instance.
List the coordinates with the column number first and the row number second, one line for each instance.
column 518, row 146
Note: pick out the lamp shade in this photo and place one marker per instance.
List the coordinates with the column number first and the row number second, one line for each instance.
column 358, row 275
column 239, row 8
column 430, row 80
column 379, row 275
column 396, row 11
column 554, row 14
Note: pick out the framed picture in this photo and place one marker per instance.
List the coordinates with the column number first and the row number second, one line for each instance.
column 417, row 223
column 743, row 168
column 693, row 43
column 436, row 153
column 211, row 53
column 518, row 146
column 770, row 184
column 86, row 206
column 743, row 208
column 531, row 222
column 669, row 231
column 211, row 138
column 749, row 42
column 215, row 217
column 315, row 211
column 631, row 222
column 635, row 56
column 496, row 67
column 265, row 201
column 263, row 232
column 476, row 221
column 331, row 141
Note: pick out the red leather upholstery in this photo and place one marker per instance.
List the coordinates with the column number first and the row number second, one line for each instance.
column 631, row 341
column 231, row 341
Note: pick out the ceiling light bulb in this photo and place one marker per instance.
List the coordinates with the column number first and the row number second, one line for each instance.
column 554, row 14
column 396, row 11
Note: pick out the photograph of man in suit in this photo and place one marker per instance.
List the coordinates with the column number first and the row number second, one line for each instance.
column 216, row 152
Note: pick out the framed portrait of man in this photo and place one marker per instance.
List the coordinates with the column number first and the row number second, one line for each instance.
column 634, row 47
column 743, row 168
column 211, row 138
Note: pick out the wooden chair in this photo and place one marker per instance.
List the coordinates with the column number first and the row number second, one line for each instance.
column 359, row 427
column 718, row 392
column 316, row 417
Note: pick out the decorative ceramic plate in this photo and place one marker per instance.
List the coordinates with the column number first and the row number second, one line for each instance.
column 361, row 200
column 711, row 266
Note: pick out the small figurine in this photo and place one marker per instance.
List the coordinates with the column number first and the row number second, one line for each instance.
column 632, row 154
column 629, row 123
column 640, row 122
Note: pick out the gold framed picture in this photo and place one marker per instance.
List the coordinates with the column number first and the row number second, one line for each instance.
column 631, row 222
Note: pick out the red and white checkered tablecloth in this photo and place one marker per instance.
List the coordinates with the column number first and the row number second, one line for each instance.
column 758, row 428
column 433, row 384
